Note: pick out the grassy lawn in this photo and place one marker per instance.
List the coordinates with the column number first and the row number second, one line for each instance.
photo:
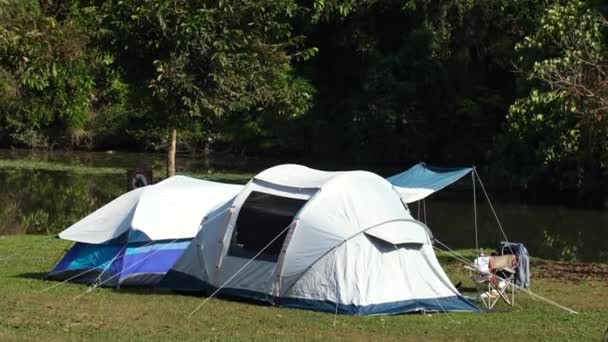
column 106, row 314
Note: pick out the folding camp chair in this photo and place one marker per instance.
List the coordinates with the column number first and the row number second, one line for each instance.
column 494, row 278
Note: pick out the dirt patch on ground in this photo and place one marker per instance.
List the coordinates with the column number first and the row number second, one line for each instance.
column 571, row 271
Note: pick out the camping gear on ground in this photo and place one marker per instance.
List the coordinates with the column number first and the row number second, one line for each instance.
column 494, row 277
column 332, row 241
column 522, row 275
column 137, row 237
column 422, row 180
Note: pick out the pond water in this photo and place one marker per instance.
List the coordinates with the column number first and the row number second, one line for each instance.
column 555, row 233
column 47, row 201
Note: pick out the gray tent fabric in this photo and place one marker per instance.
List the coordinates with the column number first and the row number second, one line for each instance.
column 522, row 276
column 186, row 275
column 189, row 273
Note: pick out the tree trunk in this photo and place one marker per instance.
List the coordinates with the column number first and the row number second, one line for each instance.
column 171, row 146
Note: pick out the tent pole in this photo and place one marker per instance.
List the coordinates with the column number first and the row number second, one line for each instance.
column 475, row 210
column 493, row 211
column 337, row 292
column 424, row 207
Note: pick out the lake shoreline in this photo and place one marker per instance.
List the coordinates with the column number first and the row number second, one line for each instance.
column 200, row 165
column 46, row 196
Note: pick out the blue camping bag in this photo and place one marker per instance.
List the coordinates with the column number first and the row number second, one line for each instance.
column 522, row 274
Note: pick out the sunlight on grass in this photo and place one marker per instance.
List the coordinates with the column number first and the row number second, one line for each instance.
column 107, row 314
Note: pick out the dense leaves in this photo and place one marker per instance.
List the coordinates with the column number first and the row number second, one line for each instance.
column 518, row 86
column 199, row 58
column 561, row 126
column 203, row 59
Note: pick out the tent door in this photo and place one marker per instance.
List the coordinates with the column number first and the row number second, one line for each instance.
column 259, row 231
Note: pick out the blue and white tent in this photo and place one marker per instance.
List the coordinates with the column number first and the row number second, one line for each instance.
column 422, row 180
column 329, row 241
column 136, row 238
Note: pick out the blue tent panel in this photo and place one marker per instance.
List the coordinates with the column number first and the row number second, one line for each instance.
column 429, row 178
column 142, row 264
column 147, row 264
column 444, row 304
column 87, row 263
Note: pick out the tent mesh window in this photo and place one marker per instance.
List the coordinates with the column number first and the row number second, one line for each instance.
column 262, row 218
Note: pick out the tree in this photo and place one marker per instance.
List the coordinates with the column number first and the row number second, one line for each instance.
column 200, row 60
column 564, row 117
column 46, row 73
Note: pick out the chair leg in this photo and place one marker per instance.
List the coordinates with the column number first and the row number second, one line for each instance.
column 494, row 292
column 492, row 288
column 512, row 294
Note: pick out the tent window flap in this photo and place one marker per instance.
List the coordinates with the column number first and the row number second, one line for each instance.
column 261, row 219
column 397, row 233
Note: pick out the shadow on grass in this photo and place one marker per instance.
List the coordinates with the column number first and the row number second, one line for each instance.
column 32, row 275
column 200, row 294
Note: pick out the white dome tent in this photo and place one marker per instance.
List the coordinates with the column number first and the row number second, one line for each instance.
column 331, row 241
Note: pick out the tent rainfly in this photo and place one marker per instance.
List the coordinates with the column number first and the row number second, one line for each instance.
column 422, row 180
column 137, row 237
column 330, row 241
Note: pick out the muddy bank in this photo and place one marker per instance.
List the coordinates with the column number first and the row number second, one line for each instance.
column 571, row 271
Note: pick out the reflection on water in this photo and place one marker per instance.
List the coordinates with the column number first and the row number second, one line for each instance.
column 548, row 232
column 35, row 201
column 45, row 202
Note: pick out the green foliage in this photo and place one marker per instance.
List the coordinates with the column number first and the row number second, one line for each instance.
column 562, row 123
column 516, row 85
column 203, row 59
column 49, row 73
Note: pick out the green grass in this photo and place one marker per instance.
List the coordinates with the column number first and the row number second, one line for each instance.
column 27, row 164
column 106, row 314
